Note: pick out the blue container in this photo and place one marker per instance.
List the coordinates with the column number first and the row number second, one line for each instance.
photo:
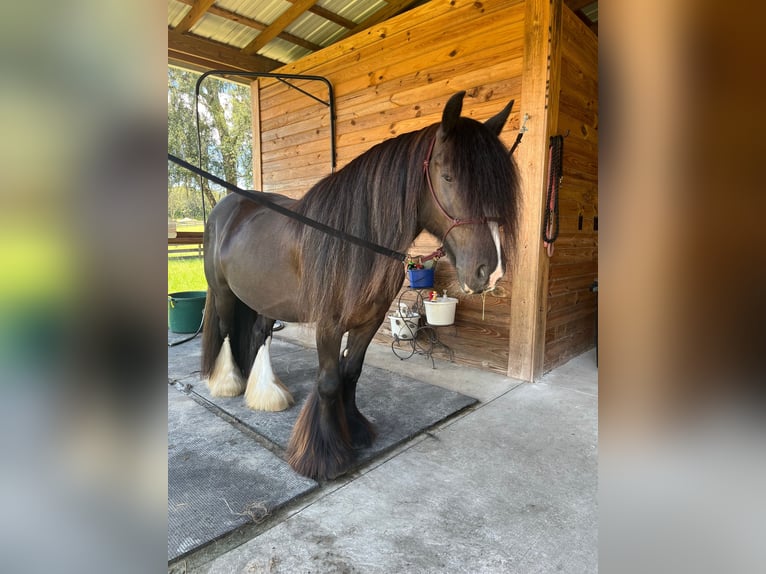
column 420, row 278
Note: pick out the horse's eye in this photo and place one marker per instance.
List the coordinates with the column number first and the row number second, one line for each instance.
column 446, row 177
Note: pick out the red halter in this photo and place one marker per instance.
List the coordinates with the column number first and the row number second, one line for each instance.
column 455, row 222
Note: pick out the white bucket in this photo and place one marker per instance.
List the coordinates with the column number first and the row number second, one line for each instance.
column 404, row 327
column 441, row 311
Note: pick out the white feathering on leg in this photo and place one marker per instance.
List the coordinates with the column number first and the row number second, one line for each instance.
column 225, row 380
column 265, row 392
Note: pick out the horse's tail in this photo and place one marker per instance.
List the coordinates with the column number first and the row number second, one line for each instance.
column 211, row 335
column 240, row 336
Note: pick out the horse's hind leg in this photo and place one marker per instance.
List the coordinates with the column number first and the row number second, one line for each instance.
column 265, row 392
column 226, row 377
column 320, row 444
column 361, row 430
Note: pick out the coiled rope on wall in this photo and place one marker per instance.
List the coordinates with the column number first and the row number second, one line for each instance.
column 555, row 175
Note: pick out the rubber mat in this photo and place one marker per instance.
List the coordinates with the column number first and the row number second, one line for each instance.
column 220, row 478
column 399, row 406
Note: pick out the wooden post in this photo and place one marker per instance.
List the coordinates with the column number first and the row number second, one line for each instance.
column 255, row 102
column 540, row 99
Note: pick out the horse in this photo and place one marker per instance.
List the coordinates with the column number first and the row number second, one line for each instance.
column 454, row 179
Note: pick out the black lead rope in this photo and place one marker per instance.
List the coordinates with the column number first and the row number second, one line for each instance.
column 555, row 173
column 522, row 130
column 263, row 200
column 517, row 142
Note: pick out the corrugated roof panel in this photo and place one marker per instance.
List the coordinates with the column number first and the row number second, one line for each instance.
column 223, row 30
column 333, row 37
column 308, row 26
column 176, row 12
column 314, row 28
column 591, row 11
column 355, row 10
column 283, row 51
column 264, row 11
column 239, row 6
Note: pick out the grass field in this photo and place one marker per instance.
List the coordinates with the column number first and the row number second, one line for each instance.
column 186, row 274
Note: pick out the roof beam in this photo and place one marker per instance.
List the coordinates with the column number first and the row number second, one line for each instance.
column 188, row 62
column 283, row 21
column 218, row 55
column 198, row 9
column 332, row 17
column 256, row 25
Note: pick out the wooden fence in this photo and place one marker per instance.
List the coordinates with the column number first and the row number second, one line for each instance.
column 185, row 244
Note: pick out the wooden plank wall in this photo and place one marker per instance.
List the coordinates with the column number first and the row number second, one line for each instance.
column 570, row 324
column 394, row 78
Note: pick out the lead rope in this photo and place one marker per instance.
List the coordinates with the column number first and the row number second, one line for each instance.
column 555, row 175
column 520, row 135
column 264, row 200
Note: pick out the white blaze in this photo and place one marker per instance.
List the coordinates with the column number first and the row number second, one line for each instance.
column 498, row 272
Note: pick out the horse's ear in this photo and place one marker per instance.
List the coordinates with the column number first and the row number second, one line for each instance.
column 452, row 113
column 496, row 123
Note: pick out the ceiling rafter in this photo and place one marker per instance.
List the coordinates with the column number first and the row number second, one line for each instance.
column 219, row 54
column 283, row 21
column 256, row 25
column 200, row 64
column 331, row 16
column 198, row 10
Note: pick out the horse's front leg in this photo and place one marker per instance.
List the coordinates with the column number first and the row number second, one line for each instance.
column 361, row 430
column 320, row 445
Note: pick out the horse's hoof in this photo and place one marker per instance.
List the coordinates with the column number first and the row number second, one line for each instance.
column 316, row 469
column 362, row 432
column 320, row 446
column 360, row 443
column 362, row 438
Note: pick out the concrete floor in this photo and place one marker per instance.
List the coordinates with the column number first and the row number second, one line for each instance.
column 507, row 486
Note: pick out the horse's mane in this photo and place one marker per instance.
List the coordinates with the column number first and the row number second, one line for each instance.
column 488, row 175
column 375, row 197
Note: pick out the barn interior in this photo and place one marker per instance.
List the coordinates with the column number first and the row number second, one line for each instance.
column 501, row 474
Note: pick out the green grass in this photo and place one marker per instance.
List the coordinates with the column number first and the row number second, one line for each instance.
column 185, row 272
column 186, row 275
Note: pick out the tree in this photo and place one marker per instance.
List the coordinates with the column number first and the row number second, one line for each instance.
column 224, row 131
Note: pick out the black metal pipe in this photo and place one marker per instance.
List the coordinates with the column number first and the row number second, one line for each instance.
column 282, row 78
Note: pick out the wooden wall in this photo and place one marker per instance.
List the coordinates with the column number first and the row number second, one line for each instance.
column 570, row 323
column 395, row 78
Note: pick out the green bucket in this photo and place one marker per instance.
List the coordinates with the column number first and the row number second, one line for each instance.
column 185, row 311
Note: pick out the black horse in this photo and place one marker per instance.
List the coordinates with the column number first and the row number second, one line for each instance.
column 454, row 179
